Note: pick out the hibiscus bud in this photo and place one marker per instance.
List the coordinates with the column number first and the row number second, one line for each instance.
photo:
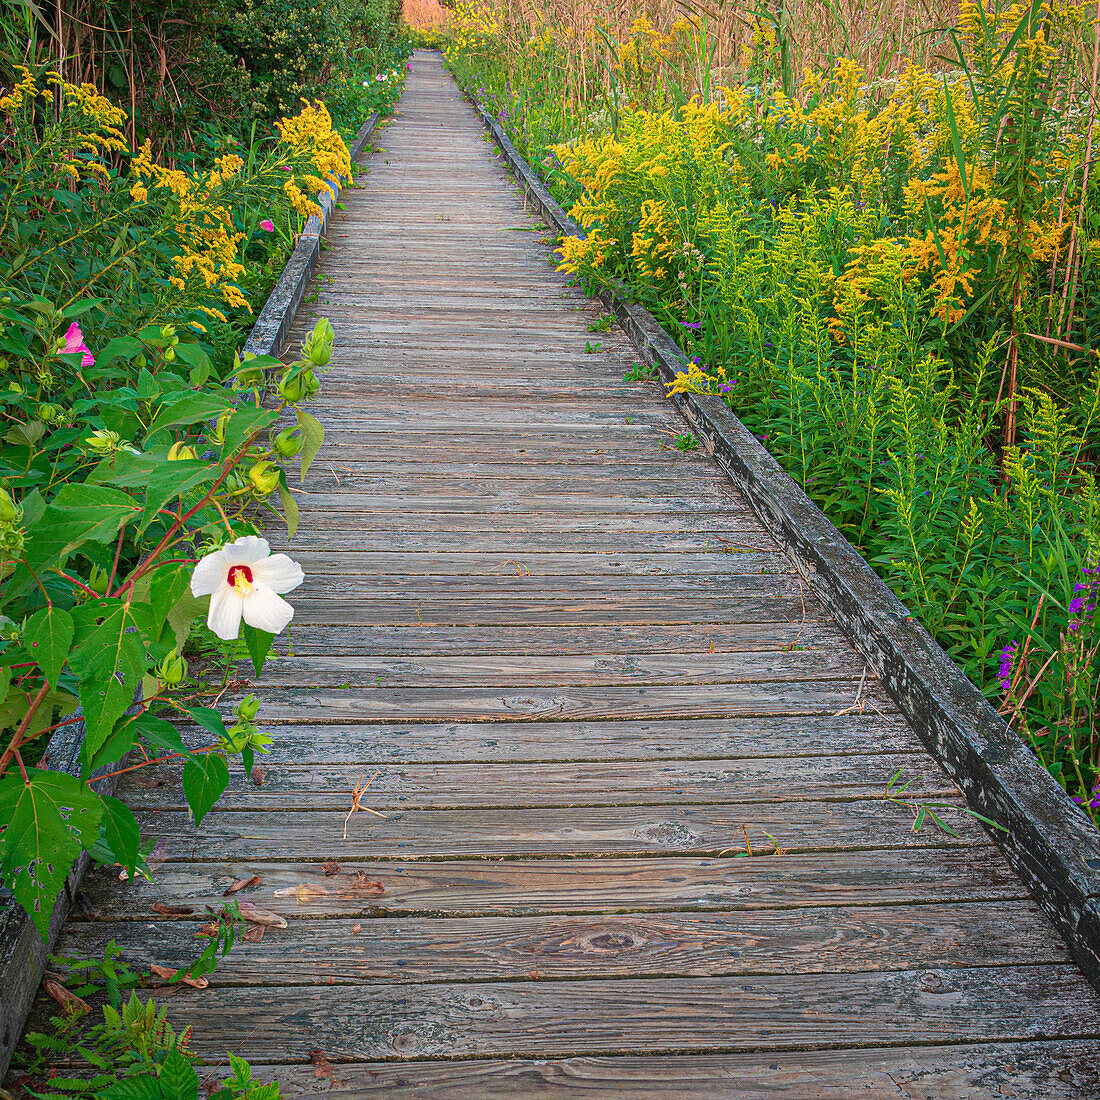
column 104, row 442
column 167, row 331
column 234, row 482
column 11, row 541
column 217, row 434
column 172, row 670
column 289, row 442
column 10, row 512
column 179, row 451
column 169, row 354
column 264, row 477
column 46, row 412
column 312, row 385
column 247, row 709
column 97, row 580
column 292, row 389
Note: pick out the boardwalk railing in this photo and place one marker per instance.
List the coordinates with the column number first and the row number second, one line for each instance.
column 1051, row 845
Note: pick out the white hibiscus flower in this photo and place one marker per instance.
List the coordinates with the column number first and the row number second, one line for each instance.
column 244, row 580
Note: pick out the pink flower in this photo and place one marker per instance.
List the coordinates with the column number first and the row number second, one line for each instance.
column 267, row 225
column 408, row 67
column 74, row 342
column 286, row 168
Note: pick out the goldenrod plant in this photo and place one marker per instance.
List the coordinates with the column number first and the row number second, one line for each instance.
column 890, row 276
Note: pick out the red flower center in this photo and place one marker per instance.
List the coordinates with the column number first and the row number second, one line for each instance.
column 240, row 578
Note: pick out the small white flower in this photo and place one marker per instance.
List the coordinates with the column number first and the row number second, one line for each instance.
column 243, row 580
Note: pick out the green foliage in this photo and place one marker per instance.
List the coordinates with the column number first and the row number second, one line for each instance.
column 881, row 289
column 128, row 1050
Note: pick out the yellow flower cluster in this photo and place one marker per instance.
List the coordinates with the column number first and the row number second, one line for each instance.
column 209, row 256
column 310, row 136
column 86, row 128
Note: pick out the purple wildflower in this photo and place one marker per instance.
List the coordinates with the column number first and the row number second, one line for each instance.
column 692, row 326
column 1008, row 664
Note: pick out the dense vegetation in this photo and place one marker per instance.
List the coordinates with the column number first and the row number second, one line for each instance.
column 890, row 276
column 143, row 221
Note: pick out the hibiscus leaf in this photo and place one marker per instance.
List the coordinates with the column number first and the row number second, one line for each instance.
column 120, row 832
column 259, row 645
column 243, row 424
column 187, row 407
column 170, row 480
column 79, row 513
column 49, row 821
column 47, row 638
column 205, row 778
column 290, row 505
column 209, row 719
column 313, row 435
column 161, row 734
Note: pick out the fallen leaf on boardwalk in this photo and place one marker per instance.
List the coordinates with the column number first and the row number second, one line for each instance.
column 330, row 867
column 260, row 916
column 254, row 934
column 171, row 910
column 70, row 1002
column 209, row 929
column 167, row 973
column 258, row 776
column 357, row 793
column 322, row 1067
column 303, row 892
column 361, row 886
column 356, row 929
column 240, row 884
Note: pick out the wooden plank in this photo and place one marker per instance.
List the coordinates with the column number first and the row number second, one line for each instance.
column 421, row 640
column 484, row 704
column 558, row 1018
column 431, row 786
column 1053, row 1070
column 478, row 888
column 755, row 738
column 587, row 571
column 699, row 830
column 855, row 939
column 648, row 609
column 327, row 670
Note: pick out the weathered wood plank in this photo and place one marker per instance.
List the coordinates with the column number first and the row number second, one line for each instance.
column 1053, row 1070
column 478, row 888
column 995, row 933
column 413, row 638
column 534, row 704
column 558, row 1018
column 326, row 670
column 432, row 786
column 700, row 830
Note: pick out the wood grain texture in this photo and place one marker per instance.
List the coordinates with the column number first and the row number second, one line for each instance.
column 634, row 841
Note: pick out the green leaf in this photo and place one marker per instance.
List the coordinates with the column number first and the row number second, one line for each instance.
column 109, row 657
column 49, row 821
column 79, row 513
column 187, row 407
column 205, row 778
column 164, row 587
column 47, row 638
column 120, row 831
column 259, row 645
column 290, row 505
column 161, row 734
column 146, row 1087
column 172, row 479
column 209, row 719
column 120, row 742
column 122, row 347
column 246, row 421
column 182, row 617
column 313, row 434
column 178, row 1079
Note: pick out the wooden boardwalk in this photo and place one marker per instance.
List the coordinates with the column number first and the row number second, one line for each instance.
column 634, row 840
